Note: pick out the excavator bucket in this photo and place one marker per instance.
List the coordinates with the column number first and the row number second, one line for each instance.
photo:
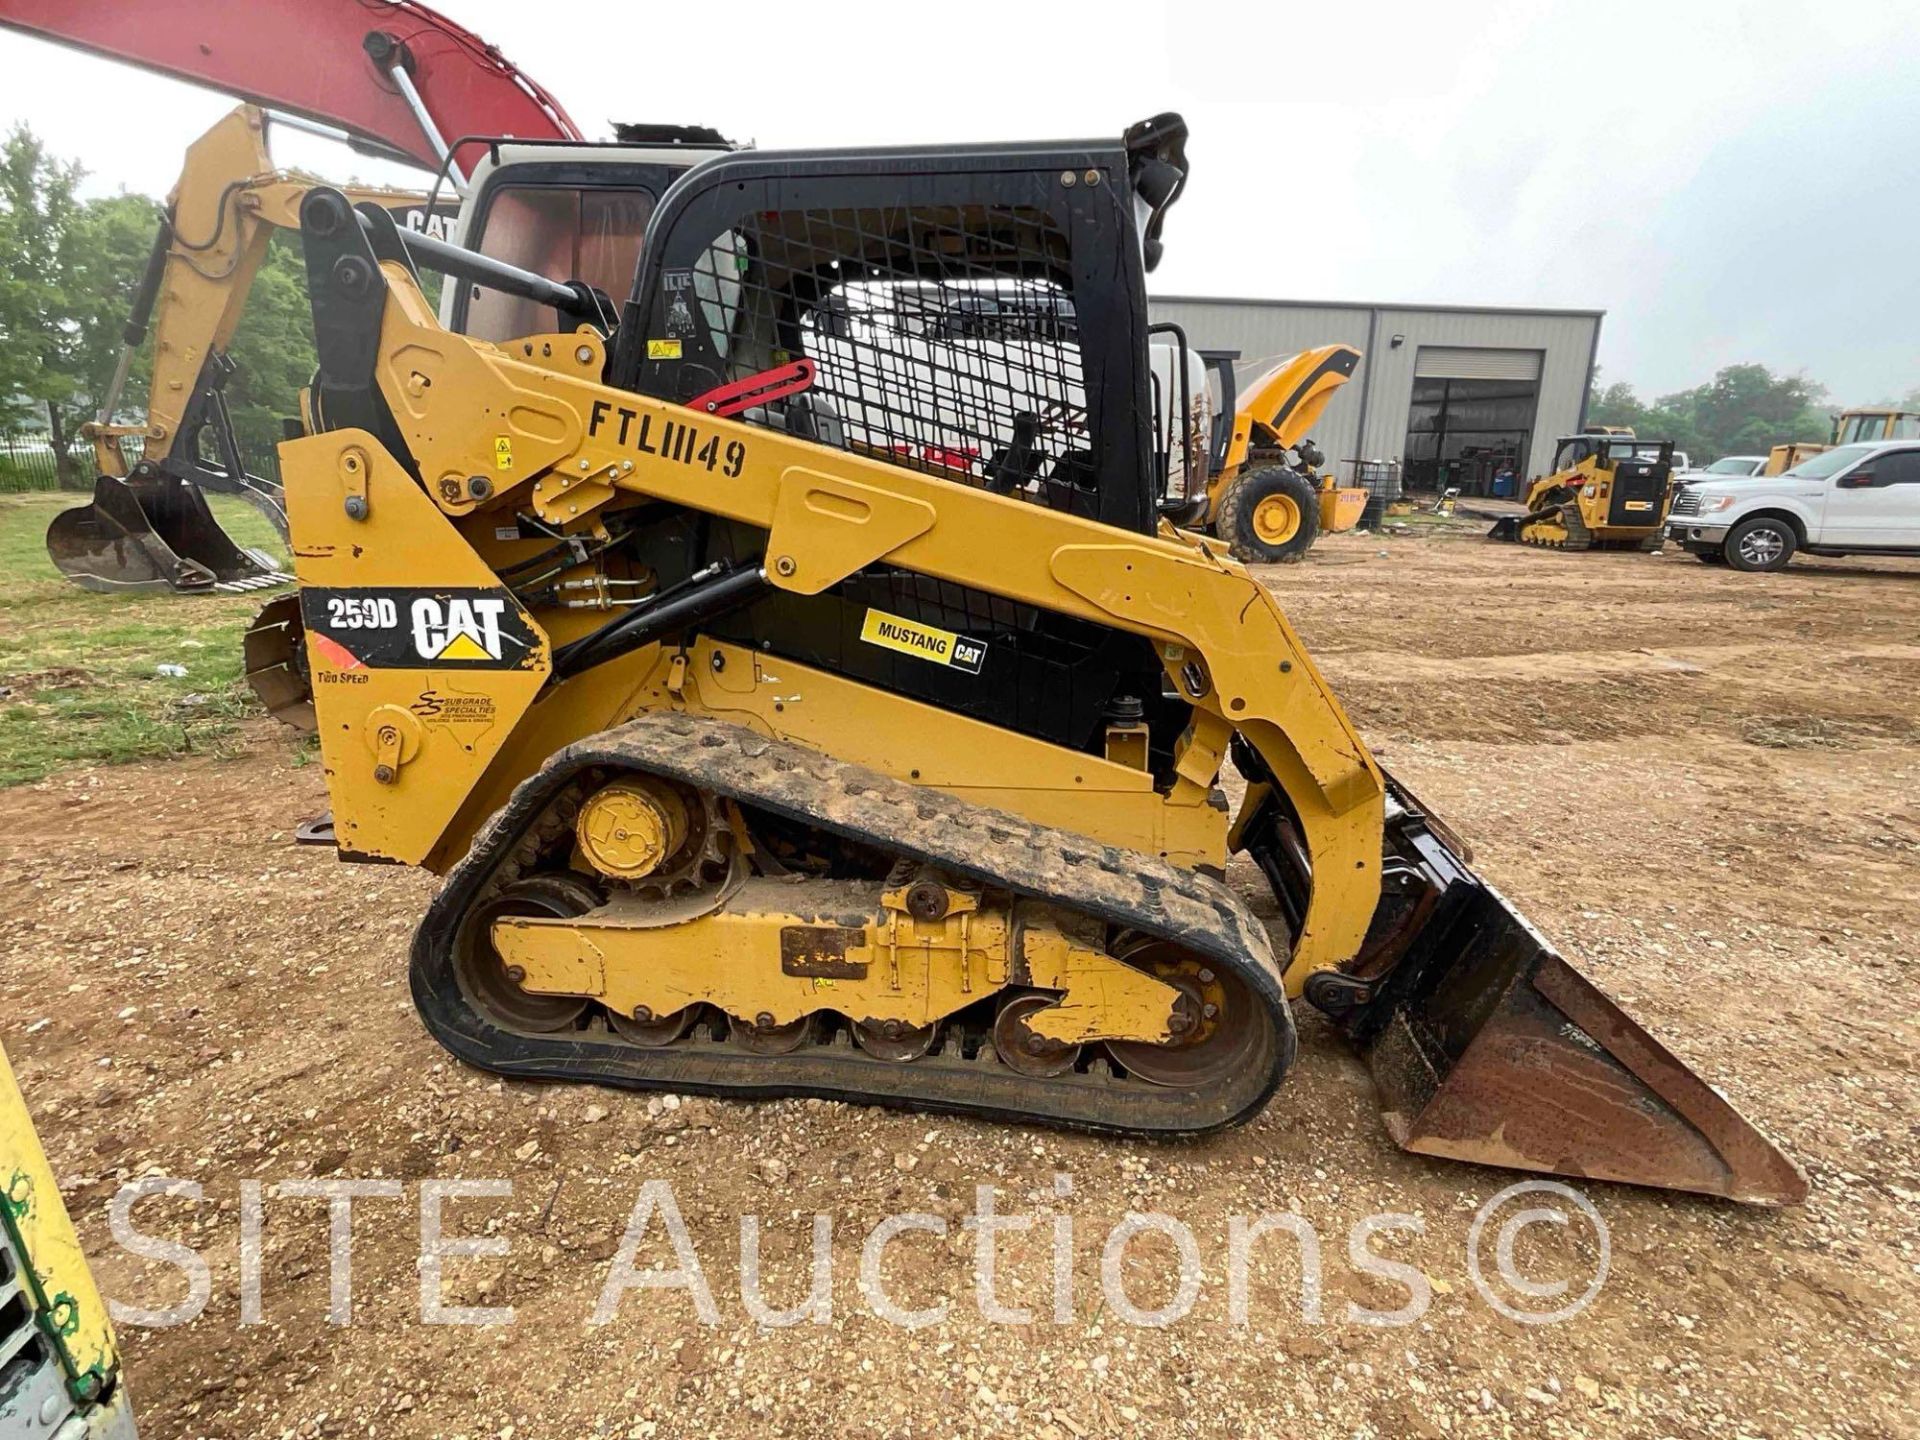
column 1487, row 1046
column 155, row 533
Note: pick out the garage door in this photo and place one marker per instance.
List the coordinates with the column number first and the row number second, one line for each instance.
column 1445, row 362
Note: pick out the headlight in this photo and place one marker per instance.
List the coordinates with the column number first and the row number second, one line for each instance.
column 1588, row 491
column 1717, row 503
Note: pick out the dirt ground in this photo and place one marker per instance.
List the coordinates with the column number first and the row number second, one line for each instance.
column 1704, row 786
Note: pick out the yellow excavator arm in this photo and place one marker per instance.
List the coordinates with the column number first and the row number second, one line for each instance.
column 221, row 214
column 148, row 527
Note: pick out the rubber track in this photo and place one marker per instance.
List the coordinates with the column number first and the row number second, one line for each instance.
column 1001, row 851
column 1578, row 536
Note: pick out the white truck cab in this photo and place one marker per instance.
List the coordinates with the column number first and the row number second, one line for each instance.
column 1856, row 499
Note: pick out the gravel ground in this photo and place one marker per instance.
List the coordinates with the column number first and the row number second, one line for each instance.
column 1704, row 786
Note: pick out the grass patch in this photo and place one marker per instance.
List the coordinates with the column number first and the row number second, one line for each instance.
column 1797, row 732
column 79, row 677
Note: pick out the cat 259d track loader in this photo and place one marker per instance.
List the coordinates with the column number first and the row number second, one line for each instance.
column 1608, row 491
column 764, row 757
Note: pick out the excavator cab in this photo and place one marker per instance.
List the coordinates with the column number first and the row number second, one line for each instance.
column 1854, row 427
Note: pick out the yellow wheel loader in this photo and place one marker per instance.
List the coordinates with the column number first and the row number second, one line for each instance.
column 763, row 759
column 59, row 1363
column 148, row 527
column 1850, row 427
column 1268, row 495
column 1608, row 491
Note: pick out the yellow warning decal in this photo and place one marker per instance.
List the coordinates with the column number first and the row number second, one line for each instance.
column 503, row 452
column 663, row 349
column 923, row 642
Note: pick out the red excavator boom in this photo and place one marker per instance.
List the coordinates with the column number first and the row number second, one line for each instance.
column 391, row 73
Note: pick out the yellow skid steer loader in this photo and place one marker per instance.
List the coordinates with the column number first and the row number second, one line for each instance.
column 1608, row 491
column 762, row 759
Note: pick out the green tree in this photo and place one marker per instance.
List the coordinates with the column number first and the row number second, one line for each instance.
column 1615, row 405
column 71, row 270
column 110, row 241
column 1748, row 408
column 37, row 209
column 1744, row 409
column 1672, row 418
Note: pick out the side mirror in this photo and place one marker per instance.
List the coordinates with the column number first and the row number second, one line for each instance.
column 1859, row 479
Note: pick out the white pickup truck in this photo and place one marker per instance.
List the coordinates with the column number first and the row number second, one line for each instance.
column 1731, row 466
column 1851, row 500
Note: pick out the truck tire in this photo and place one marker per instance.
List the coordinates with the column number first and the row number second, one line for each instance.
column 1269, row 516
column 1765, row 542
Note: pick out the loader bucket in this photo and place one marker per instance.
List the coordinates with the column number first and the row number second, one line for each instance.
column 1487, row 1046
column 274, row 654
column 153, row 533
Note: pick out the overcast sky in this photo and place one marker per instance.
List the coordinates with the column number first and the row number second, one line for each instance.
column 1729, row 181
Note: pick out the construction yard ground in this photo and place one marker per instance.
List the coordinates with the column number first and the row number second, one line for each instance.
column 1703, row 786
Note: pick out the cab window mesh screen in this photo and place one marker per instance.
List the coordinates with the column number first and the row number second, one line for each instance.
column 944, row 339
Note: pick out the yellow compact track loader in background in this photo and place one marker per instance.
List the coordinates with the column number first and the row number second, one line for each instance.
column 148, row 527
column 1268, row 496
column 763, row 759
column 59, row 1363
column 1608, row 491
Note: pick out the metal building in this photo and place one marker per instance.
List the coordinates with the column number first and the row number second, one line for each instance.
column 1451, row 393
